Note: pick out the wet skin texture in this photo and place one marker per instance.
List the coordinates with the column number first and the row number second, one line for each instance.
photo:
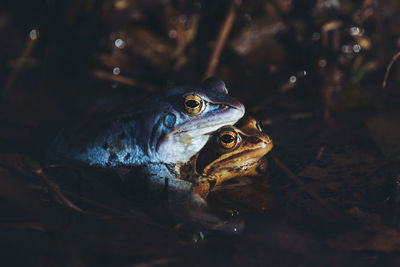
column 158, row 133
column 223, row 158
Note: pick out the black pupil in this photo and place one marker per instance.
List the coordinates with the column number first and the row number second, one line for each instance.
column 227, row 138
column 192, row 103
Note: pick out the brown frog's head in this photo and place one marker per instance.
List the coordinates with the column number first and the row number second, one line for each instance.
column 233, row 151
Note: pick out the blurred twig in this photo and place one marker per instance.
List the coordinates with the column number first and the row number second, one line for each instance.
column 222, row 36
column 299, row 182
column 24, row 226
column 21, row 60
column 394, row 58
column 56, row 191
column 135, row 216
column 320, row 152
column 14, row 190
column 18, row 195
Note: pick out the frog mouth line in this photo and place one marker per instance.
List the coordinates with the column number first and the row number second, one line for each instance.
column 200, row 128
column 237, row 171
column 247, row 164
column 250, row 162
column 213, row 127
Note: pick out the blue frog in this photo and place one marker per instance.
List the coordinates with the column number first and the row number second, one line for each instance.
column 156, row 135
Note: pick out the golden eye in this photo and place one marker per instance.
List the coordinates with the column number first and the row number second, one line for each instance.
column 193, row 104
column 228, row 138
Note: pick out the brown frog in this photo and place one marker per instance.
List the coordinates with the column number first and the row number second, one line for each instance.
column 233, row 151
column 221, row 173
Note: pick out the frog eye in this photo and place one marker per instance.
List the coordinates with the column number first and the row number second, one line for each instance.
column 193, row 104
column 228, row 138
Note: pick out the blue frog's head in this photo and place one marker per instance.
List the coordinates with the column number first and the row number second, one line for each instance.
column 190, row 116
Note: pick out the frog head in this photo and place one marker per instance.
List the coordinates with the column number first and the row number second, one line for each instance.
column 233, row 151
column 191, row 115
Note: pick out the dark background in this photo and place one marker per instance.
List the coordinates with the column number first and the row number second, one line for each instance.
column 310, row 71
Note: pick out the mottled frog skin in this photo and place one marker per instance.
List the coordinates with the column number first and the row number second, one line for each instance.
column 158, row 133
column 231, row 152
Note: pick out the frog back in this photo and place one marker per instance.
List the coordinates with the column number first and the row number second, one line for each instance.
column 125, row 136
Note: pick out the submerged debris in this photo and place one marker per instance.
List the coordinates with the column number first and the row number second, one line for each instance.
column 311, row 71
